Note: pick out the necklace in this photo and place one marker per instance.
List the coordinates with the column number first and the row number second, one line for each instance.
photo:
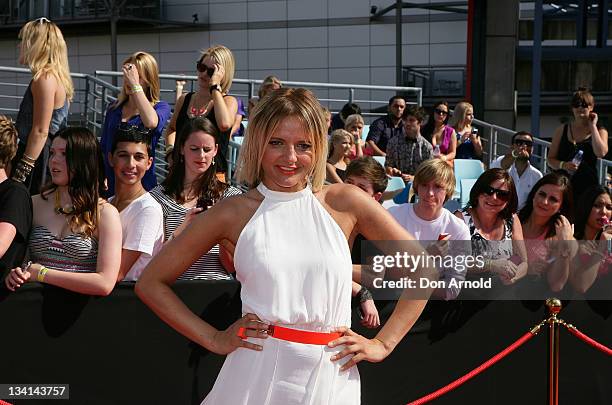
column 196, row 112
column 58, row 207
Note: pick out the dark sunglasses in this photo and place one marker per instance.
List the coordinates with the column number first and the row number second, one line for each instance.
column 441, row 112
column 136, row 130
column 520, row 142
column 503, row 195
column 580, row 104
column 203, row 68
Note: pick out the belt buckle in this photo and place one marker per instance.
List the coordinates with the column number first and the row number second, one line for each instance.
column 270, row 330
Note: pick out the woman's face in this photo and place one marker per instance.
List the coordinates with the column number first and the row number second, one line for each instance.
column 198, row 151
column 469, row 116
column 601, row 212
column 548, row 200
column 355, row 129
column 581, row 109
column 495, row 198
column 343, row 144
column 203, row 77
column 440, row 113
column 288, row 157
column 57, row 162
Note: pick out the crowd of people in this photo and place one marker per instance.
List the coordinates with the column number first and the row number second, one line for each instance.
column 83, row 214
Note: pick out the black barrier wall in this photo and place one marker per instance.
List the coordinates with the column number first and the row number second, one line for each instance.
column 114, row 350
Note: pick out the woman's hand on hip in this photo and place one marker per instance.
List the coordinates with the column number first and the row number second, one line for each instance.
column 226, row 341
column 361, row 348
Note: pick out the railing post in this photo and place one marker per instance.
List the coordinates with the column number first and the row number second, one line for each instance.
column 601, row 171
column 420, row 97
column 351, row 96
column 544, row 159
column 554, row 307
column 492, row 143
column 86, row 103
column 251, row 90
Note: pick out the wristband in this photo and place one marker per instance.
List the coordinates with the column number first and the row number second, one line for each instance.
column 29, row 159
column 561, row 164
column 41, row 274
column 364, row 295
column 22, row 170
column 136, row 88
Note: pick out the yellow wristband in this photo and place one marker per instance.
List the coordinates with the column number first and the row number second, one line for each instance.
column 41, row 274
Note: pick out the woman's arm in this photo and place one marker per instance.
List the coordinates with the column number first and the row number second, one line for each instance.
column 43, row 93
column 599, row 138
column 225, row 107
column 477, row 144
column 171, row 128
column 518, row 248
column 553, row 152
column 7, row 235
column 146, row 111
column 176, row 256
column 237, row 122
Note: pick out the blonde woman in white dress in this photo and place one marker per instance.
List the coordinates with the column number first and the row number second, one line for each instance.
column 293, row 345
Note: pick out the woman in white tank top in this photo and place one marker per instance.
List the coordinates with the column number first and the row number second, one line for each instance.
column 293, row 344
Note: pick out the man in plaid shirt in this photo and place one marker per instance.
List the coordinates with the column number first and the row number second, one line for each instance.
column 405, row 153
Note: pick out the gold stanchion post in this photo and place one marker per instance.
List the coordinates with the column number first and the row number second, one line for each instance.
column 553, row 306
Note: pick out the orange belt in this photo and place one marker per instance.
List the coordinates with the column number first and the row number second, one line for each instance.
column 297, row 336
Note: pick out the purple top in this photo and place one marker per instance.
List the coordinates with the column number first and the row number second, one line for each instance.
column 446, row 139
column 112, row 120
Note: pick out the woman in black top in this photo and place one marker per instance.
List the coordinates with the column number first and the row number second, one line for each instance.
column 582, row 134
column 215, row 74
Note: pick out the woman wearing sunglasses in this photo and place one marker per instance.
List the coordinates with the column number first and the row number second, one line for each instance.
column 44, row 108
column 438, row 133
column 215, row 74
column 495, row 230
column 547, row 216
column 138, row 105
column 582, row 134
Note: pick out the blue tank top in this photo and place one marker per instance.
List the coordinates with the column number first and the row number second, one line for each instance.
column 59, row 117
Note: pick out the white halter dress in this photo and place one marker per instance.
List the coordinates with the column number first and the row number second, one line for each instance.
column 294, row 264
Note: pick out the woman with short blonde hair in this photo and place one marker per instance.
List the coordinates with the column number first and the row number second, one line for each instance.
column 44, row 108
column 138, row 105
column 469, row 145
column 293, row 261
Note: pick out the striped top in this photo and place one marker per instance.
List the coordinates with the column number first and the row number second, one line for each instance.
column 73, row 252
column 207, row 267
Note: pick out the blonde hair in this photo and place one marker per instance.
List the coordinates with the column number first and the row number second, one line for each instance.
column 435, row 170
column 267, row 83
column 353, row 119
column 297, row 103
column 44, row 50
column 338, row 135
column 8, row 141
column 148, row 72
column 223, row 56
column 460, row 113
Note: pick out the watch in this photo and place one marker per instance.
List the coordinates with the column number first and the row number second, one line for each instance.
column 214, row 87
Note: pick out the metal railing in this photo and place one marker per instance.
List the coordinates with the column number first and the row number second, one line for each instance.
column 93, row 96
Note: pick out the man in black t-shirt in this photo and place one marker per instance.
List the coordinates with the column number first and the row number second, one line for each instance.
column 15, row 204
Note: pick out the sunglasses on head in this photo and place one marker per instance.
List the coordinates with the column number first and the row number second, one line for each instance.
column 42, row 20
column 503, row 195
column 125, row 127
column 203, row 68
column 440, row 112
column 580, row 104
column 521, row 142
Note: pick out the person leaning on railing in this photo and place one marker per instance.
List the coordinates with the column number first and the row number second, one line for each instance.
column 75, row 241
column 15, row 204
column 582, row 134
column 211, row 100
column 44, row 108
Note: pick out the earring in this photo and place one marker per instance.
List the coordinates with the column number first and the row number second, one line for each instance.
column 213, row 161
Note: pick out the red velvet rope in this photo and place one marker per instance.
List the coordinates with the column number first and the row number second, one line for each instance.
column 474, row 372
column 589, row 340
column 4, row 402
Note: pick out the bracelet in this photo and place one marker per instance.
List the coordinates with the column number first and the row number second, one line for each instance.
column 41, row 274
column 364, row 295
column 29, row 159
column 136, row 88
column 561, row 164
column 22, row 170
